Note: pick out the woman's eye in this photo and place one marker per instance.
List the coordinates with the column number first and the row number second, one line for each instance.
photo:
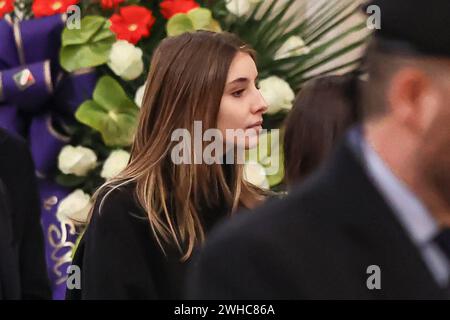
column 237, row 94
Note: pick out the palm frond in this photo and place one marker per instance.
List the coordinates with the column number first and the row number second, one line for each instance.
column 315, row 55
column 270, row 25
column 351, row 63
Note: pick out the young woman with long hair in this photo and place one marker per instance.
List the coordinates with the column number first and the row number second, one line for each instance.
column 148, row 221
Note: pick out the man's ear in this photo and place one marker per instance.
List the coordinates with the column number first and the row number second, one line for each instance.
column 412, row 98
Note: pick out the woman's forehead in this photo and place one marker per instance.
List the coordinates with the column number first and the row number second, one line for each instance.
column 242, row 66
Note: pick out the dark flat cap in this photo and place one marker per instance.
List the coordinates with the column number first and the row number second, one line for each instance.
column 424, row 26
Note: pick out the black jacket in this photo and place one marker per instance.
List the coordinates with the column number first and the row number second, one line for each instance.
column 120, row 258
column 316, row 244
column 23, row 272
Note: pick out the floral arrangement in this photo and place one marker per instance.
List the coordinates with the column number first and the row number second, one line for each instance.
column 76, row 86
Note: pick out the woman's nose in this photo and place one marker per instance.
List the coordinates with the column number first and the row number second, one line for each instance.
column 260, row 104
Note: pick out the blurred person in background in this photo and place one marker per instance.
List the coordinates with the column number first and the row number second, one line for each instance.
column 23, row 274
column 323, row 111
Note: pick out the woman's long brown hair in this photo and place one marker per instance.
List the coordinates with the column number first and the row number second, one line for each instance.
column 186, row 82
column 323, row 111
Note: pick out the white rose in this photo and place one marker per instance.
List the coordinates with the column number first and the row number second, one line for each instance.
column 116, row 162
column 277, row 93
column 139, row 96
column 294, row 46
column 125, row 60
column 75, row 207
column 256, row 175
column 76, row 160
column 240, row 7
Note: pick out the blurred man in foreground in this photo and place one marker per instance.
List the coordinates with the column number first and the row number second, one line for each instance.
column 374, row 223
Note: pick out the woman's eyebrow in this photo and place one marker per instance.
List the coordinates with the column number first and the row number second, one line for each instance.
column 240, row 80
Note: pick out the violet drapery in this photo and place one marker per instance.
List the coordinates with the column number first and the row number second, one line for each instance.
column 36, row 98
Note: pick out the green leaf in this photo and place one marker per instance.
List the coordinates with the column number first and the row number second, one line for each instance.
column 201, row 18
column 77, row 57
column 110, row 95
column 90, row 25
column 214, row 26
column 179, row 24
column 103, row 33
column 110, row 112
column 70, row 180
column 91, row 114
column 88, row 46
column 196, row 19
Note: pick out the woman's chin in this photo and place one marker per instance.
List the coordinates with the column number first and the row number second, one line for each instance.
column 256, row 130
column 247, row 138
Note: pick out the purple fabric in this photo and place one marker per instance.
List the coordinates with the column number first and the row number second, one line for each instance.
column 40, row 41
column 59, row 237
column 74, row 90
column 8, row 50
column 31, row 98
column 44, row 44
column 10, row 120
column 45, row 144
column 39, row 46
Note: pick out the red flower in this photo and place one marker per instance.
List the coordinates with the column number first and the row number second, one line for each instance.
column 110, row 4
column 169, row 8
column 42, row 8
column 133, row 23
column 6, row 6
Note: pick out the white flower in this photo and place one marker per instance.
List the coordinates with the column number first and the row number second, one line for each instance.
column 116, row 162
column 277, row 93
column 240, row 7
column 125, row 60
column 256, row 175
column 75, row 207
column 139, row 96
column 294, row 46
column 76, row 160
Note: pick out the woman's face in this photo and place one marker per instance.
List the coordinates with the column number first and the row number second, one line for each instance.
column 242, row 104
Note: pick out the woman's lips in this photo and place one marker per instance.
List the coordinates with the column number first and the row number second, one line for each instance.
column 257, row 126
column 254, row 130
